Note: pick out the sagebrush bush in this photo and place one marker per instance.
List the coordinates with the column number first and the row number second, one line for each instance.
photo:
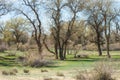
column 26, row 71
column 5, row 72
column 40, row 63
column 10, row 72
column 44, row 70
column 102, row 71
column 15, row 70
column 82, row 75
column 34, row 60
column 48, row 78
column 60, row 74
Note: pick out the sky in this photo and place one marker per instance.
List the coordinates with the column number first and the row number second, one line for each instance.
column 44, row 19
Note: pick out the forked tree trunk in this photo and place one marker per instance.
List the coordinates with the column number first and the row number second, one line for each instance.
column 108, row 49
column 61, row 54
column 56, row 52
column 99, row 45
column 40, row 51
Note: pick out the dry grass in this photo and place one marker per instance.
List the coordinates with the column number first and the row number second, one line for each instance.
column 26, row 71
column 44, row 70
column 60, row 74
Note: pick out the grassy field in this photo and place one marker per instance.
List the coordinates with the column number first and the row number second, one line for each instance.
column 69, row 67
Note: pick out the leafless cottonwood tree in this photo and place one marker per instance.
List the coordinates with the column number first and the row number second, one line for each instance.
column 101, row 20
column 32, row 12
column 60, row 39
column 117, row 29
column 95, row 20
column 109, row 14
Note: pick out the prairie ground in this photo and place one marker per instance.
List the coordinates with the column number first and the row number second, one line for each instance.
column 68, row 68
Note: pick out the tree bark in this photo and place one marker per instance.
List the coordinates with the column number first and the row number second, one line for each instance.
column 61, row 54
column 99, row 45
column 56, row 51
column 108, row 49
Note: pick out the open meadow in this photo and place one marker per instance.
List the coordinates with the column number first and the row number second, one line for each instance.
column 60, row 70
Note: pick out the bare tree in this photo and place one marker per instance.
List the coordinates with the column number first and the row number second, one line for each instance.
column 17, row 27
column 95, row 20
column 109, row 14
column 32, row 12
column 61, row 30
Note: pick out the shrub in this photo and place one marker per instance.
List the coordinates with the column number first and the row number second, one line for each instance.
column 15, row 70
column 33, row 60
column 5, row 73
column 26, row 71
column 103, row 71
column 21, row 59
column 12, row 73
column 48, row 78
column 40, row 63
column 82, row 75
column 44, row 70
column 59, row 74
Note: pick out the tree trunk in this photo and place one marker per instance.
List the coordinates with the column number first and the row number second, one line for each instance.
column 40, row 51
column 56, row 52
column 61, row 54
column 65, row 51
column 99, row 45
column 107, row 43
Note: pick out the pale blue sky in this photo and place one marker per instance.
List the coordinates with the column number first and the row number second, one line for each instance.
column 44, row 18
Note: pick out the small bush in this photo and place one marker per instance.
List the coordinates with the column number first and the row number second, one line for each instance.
column 33, row 60
column 44, row 70
column 48, row 78
column 40, row 63
column 26, row 71
column 21, row 59
column 5, row 73
column 59, row 74
column 12, row 73
column 15, row 70
column 103, row 71
column 82, row 75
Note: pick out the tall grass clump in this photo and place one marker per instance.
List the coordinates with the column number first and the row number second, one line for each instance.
column 101, row 71
column 33, row 60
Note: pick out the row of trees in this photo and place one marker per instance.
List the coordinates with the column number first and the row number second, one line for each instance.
column 66, row 24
